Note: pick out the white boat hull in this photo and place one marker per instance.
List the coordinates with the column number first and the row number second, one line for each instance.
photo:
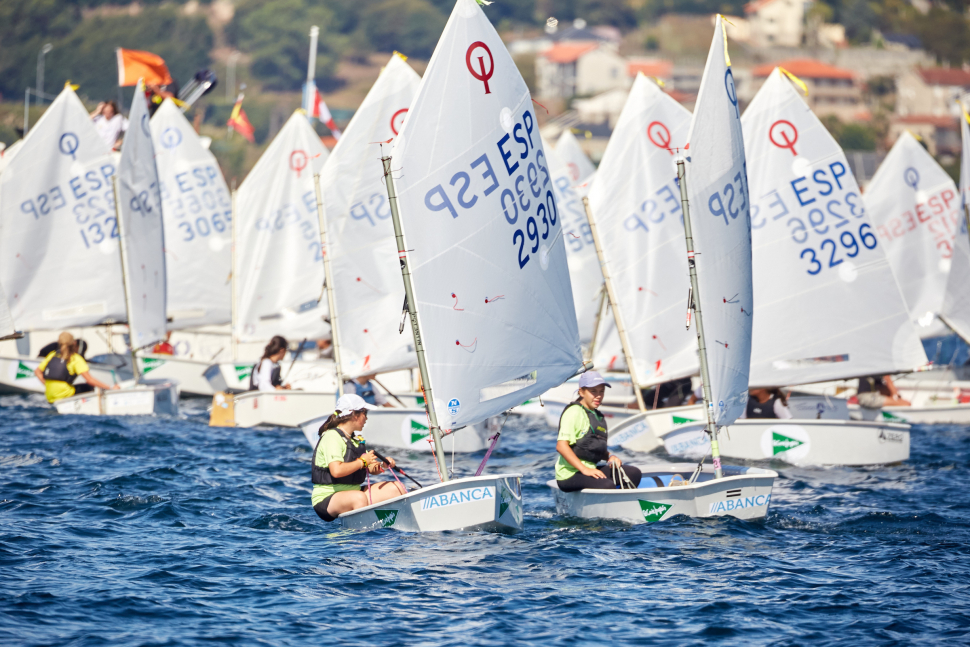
column 408, row 429
column 17, row 374
column 954, row 414
column 189, row 374
column 152, row 398
column 281, row 408
column 490, row 503
column 799, row 442
column 743, row 492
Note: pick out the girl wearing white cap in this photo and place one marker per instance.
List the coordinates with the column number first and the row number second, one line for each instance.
column 341, row 463
column 582, row 443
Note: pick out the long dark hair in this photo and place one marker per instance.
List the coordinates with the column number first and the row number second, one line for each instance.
column 778, row 393
column 336, row 418
column 275, row 345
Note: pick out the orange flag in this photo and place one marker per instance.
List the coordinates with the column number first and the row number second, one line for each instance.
column 240, row 122
column 134, row 65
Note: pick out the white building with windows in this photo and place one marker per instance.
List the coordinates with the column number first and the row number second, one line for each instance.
column 572, row 68
column 776, row 23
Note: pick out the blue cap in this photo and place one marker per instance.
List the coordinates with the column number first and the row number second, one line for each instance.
column 590, row 379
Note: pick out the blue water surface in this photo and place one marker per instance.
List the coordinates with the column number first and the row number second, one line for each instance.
column 141, row 531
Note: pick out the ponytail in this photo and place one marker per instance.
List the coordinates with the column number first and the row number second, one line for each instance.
column 275, row 345
column 334, row 420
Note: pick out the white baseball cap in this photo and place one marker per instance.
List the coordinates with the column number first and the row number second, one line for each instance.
column 352, row 402
column 589, row 379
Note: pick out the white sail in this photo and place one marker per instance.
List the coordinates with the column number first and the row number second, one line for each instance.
column 719, row 206
column 828, row 304
column 483, row 230
column 584, row 269
column 7, row 327
column 915, row 211
column 279, row 260
column 636, row 204
column 578, row 164
column 197, row 212
column 956, row 302
column 58, row 235
column 368, row 292
column 140, row 210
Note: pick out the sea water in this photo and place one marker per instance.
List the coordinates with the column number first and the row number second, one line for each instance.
column 161, row 531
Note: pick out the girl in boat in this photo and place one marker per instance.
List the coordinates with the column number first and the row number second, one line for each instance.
column 341, row 463
column 266, row 375
column 582, row 443
column 62, row 366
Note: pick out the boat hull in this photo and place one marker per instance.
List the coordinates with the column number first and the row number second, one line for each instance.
column 189, row 374
column 744, row 492
column 408, row 429
column 490, row 503
column 280, row 408
column 799, row 442
column 152, row 398
column 17, row 374
column 954, row 414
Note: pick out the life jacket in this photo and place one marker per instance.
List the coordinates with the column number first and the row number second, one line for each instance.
column 761, row 409
column 57, row 370
column 321, row 475
column 591, row 446
column 366, row 392
column 275, row 377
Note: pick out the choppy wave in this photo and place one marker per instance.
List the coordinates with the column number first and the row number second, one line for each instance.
column 145, row 532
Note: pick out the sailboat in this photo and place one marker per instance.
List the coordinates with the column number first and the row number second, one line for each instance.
column 579, row 168
column 197, row 215
column 484, row 267
column 278, row 278
column 87, row 256
column 719, row 263
column 367, row 295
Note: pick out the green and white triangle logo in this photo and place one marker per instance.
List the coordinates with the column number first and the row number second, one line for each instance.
column 679, row 420
column 891, row 417
column 653, row 511
column 149, row 364
column 23, row 371
column 506, row 500
column 418, row 431
column 386, row 517
column 780, row 443
column 242, row 372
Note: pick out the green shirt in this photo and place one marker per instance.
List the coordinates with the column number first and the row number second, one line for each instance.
column 574, row 423
column 332, row 448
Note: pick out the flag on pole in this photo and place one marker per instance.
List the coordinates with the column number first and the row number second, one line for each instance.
column 240, row 122
column 319, row 109
column 134, row 65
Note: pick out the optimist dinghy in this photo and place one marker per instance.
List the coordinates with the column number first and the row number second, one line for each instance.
column 719, row 263
column 86, row 216
column 486, row 277
column 800, row 334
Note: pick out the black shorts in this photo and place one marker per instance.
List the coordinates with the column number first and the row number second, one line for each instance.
column 321, row 509
column 580, row 481
column 84, row 387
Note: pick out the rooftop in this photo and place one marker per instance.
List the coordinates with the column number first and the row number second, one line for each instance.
column 806, row 68
column 944, row 76
column 650, row 67
column 568, row 52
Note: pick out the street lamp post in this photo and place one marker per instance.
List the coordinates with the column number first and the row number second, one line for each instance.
column 40, row 68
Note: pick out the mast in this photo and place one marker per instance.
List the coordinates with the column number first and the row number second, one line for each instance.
column 439, row 453
column 124, row 274
column 699, row 320
column 328, row 277
column 617, row 317
column 233, row 307
column 591, row 349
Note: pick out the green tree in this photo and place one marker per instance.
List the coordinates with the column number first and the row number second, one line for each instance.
column 857, row 137
column 276, row 36
column 25, row 26
column 411, row 27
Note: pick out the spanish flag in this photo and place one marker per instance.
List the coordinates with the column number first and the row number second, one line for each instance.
column 134, row 65
column 240, row 122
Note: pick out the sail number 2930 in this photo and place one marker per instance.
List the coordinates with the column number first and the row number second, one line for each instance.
column 524, row 193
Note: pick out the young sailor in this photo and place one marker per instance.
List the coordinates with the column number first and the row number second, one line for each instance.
column 582, row 443
column 341, row 463
column 767, row 403
column 878, row 391
column 62, row 366
column 266, row 375
column 364, row 387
